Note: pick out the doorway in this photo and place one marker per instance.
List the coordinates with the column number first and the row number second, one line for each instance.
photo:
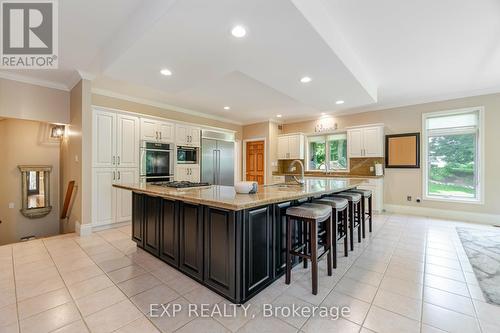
column 255, row 165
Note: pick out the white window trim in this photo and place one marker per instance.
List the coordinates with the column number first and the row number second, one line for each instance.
column 481, row 157
column 327, row 170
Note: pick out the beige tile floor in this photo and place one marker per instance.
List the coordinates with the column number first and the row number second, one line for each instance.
column 410, row 275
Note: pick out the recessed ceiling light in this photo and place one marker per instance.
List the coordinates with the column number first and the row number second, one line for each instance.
column 339, row 102
column 238, row 31
column 305, row 79
column 227, row 108
column 279, row 116
column 166, row 72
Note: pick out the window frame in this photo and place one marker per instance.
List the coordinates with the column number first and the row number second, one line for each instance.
column 327, row 154
column 480, row 158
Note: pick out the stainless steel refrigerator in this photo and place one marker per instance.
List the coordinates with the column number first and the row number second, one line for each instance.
column 217, row 158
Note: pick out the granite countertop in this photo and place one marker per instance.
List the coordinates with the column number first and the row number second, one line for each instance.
column 226, row 197
column 325, row 175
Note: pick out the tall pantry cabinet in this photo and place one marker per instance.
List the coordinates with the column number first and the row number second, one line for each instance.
column 115, row 160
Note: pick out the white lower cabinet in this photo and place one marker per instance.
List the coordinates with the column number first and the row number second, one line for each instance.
column 187, row 172
column 376, row 185
column 111, row 205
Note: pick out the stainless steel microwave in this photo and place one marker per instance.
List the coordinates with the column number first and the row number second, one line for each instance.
column 187, row 155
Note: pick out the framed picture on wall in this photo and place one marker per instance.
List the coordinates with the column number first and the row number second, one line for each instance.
column 402, row 150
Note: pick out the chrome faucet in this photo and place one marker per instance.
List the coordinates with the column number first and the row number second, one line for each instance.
column 300, row 181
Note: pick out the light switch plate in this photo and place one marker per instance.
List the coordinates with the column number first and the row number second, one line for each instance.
column 11, row 205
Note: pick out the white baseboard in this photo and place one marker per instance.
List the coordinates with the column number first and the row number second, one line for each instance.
column 88, row 229
column 97, row 227
column 482, row 218
column 83, row 229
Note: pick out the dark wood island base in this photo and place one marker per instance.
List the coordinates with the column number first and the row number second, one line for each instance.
column 234, row 244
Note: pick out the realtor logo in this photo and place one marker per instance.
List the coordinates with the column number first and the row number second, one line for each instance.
column 29, row 34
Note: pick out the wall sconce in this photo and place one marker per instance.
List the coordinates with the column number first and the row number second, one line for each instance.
column 57, row 131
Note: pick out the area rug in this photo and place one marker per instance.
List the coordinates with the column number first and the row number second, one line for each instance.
column 483, row 249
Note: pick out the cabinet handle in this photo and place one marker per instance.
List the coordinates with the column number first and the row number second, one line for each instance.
column 119, row 176
column 114, row 175
column 118, row 160
column 160, row 135
column 113, row 160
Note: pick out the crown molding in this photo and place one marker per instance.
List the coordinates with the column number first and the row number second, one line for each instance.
column 165, row 106
column 80, row 75
column 30, row 80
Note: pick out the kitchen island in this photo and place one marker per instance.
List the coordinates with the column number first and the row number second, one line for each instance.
column 232, row 243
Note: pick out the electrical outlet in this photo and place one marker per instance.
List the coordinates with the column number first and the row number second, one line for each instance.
column 372, row 169
column 408, row 198
column 11, row 205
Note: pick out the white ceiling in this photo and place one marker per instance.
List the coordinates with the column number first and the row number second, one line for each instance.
column 372, row 54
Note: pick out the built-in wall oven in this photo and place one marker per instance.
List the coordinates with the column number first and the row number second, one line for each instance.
column 157, row 161
column 187, row 155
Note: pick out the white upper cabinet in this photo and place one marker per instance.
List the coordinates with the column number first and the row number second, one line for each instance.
column 366, row 141
column 187, row 135
column 115, row 140
column 104, row 139
column 156, row 130
column 355, row 142
column 291, row 147
column 127, row 143
column 166, row 131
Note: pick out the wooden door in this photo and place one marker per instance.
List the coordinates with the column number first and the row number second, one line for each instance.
column 124, row 197
column 104, row 196
column 373, row 138
column 166, row 132
column 255, row 161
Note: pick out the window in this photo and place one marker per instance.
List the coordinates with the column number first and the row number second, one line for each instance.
column 327, row 152
column 452, row 155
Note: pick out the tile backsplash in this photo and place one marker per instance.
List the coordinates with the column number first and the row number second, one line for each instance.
column 358, row 166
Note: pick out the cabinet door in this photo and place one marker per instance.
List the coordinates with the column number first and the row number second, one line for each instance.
column 257, row 251
column 127, row 143
column 283, row 150
column 166, row 132
column 149, row 129
column 194, row 139
column 194, row 173
column 181, row 135
column 220, row 250
column 124, row 197
column 182, row 173
column 191, row 240
column 137, row 222
column 104, row 196
column 169, row 233
column 355, row 142
column 152, row 225
column 104, row 139
column 295, row 147
column 373, row 138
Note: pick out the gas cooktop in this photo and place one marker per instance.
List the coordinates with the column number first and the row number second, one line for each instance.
column 181, row 184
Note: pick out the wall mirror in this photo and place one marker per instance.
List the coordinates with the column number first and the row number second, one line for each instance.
column 35, row 190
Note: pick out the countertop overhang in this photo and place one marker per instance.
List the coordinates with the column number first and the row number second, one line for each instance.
column 226, row 197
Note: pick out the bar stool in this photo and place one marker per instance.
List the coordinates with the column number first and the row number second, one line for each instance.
column 339, row 223
column 366, row 194
column 309, row 214
column 354, row 208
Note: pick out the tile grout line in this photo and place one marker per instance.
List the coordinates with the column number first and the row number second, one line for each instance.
column 67, row 289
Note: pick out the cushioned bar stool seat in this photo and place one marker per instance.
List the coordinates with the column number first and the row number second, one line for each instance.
column 366, row 213
column 354, row 209
column 339, row 223
column 309, row 214
column 309, row 211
